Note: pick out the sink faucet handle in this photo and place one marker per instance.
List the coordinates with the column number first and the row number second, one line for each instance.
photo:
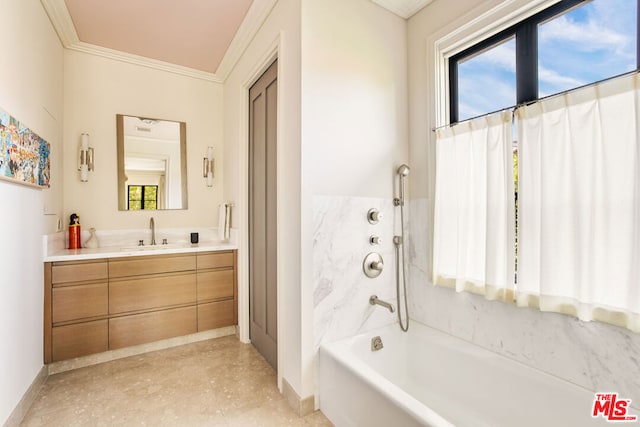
column 140, row 242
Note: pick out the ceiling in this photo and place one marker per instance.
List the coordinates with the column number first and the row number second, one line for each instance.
column 403, row 8
column 200, row 38
column 195, row 35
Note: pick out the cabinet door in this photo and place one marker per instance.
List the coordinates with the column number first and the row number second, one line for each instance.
column 215, row 315
column 147, row 327
column 79, row 339
column 79, row 302
column 215, row 284
column 144, row 293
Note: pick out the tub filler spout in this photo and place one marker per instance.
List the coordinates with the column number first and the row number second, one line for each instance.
column 375, row 300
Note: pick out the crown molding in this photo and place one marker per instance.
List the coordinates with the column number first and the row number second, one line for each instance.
column 61, row 20
column 256, row 15
column 143, row 61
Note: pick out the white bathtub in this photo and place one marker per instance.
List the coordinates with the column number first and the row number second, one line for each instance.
column 428, row 378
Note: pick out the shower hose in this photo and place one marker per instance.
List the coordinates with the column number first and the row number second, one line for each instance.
column 400, row 248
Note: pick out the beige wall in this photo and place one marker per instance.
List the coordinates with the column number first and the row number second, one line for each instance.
column 354, row 119
column 31, row 68
column 95, row 90
column 354, row 98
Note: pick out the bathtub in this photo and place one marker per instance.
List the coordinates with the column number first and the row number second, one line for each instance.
column 428, row 378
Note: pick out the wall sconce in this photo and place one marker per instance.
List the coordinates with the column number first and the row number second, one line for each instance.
column 85, row 158
column 208, row 167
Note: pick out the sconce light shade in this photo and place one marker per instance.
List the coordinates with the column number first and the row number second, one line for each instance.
column 208, row 166
column 85, row 158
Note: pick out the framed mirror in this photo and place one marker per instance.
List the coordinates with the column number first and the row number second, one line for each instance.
column 152, row 163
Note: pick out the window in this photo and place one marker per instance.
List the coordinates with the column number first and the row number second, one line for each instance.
column 143, row 197
column 571, row 234
column 487, row 80
column 568, row 45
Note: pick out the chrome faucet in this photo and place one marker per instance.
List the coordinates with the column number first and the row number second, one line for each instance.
column 375, row 300
column 152, row 225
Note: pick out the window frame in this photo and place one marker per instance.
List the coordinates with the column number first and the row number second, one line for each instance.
column 526, row 36
column 142, row 192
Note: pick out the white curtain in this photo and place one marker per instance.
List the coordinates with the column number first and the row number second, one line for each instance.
column 579, row 203
column 474, row 207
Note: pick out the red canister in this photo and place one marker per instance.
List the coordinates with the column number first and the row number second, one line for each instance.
column 75, row 239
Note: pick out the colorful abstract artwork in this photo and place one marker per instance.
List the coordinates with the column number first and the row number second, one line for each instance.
column 24, row 156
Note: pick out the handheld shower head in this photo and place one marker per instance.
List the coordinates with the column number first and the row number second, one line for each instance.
column 403, row 170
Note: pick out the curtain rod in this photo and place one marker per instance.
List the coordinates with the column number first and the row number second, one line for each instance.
column 513, row 108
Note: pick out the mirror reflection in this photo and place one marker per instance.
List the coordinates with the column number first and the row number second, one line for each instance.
column 152, row 165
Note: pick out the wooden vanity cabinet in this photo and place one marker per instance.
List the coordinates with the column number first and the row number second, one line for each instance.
column 151, row 298
column 99, row 305
column 217, row 290
column 76, row 309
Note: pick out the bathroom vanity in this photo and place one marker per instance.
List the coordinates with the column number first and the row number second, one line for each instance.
column 93, row 304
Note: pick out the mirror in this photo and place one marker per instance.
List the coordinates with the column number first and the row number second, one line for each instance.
column 152, row 163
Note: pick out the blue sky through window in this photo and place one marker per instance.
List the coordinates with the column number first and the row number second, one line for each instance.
column 587, row 44
column 487, row 81
column 590, row 43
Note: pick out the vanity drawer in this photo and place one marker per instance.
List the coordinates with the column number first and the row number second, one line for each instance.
column 148, row 327
column 215, row 260
column 79, row 339
column 67, row 272
column 136, row 266
column 79, row 302
column 215, row 284
column 215, row 315
column 144, row 293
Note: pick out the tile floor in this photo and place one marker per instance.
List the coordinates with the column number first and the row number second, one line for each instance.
column 218, row 382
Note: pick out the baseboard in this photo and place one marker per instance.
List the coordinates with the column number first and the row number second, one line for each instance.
column 107, row 356
column 299, row 405
column 18, row 413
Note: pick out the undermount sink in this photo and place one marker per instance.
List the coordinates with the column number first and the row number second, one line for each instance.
column 151, row 247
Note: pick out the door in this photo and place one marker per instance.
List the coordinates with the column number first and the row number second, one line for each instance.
column 262, row 215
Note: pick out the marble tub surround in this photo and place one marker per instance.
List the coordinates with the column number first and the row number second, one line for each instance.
column 594, row 355
column 120, row 243
column 340, row 243
column 218, row 382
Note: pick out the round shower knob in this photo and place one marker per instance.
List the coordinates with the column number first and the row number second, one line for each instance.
column 375, row 240
column 373, row 265
column 374, row 216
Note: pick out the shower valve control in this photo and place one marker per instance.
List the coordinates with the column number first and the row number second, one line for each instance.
column 375, row 240
column 376, row 265
column 374, row 216
column 373, row 265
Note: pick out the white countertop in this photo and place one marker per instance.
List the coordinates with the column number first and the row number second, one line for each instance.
column 111, row 252
column 120, row 243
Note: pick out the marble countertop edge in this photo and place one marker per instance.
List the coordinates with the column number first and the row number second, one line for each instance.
column 116, row 252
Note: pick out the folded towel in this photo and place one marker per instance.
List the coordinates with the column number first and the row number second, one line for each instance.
column 227, row 224
column 224, row 221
